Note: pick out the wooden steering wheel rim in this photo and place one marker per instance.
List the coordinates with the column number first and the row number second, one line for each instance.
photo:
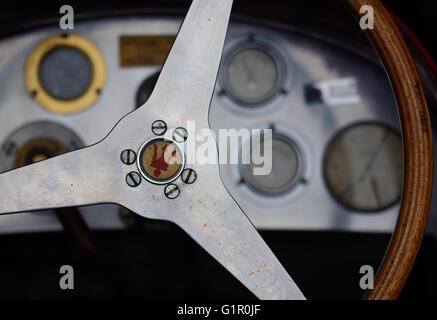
column 418, row 153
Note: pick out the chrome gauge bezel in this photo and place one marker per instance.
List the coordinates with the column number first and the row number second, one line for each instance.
column 259, row 43
column 299, row 184
column 289, row 186
column 335, row 197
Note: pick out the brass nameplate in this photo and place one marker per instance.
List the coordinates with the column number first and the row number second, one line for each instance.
column 144, row 50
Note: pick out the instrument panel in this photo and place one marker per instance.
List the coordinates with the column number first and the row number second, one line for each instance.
column 363, row 167
column 337, row 152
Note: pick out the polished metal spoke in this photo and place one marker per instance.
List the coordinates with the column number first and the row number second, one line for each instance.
column 187, row 80
column 204, row 209
column 72, row 179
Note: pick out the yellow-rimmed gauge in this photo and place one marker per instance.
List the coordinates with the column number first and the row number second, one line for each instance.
column 363, row 167
column 65, row 73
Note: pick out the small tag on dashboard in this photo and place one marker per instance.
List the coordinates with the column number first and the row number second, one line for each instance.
column 140, row 50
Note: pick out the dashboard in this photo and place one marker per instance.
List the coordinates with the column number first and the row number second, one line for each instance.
column 304, row 71
column 337, row 151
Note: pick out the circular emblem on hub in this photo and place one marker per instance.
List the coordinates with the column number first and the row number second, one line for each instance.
column 160, row 160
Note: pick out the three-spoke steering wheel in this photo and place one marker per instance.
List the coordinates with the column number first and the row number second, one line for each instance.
column 204, row 209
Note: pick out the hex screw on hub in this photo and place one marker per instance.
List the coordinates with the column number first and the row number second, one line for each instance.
column 189, row 176
column 159, row 127
column 172, row 191
column 128, row 157
column 133, row 179
column 180, row 134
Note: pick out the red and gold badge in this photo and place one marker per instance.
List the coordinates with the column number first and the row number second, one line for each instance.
column 160, row 161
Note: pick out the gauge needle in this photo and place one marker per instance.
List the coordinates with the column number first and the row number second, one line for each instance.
column 204, row 209
column 345, row 191
column 375, row 189
column 250, row 77
column 369, row 164
column 249, row 71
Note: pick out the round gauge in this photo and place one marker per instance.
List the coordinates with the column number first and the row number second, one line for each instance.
column 36, row 141
column 363, row 167
column 286, row 168
column 65, row 73
column 252, row 75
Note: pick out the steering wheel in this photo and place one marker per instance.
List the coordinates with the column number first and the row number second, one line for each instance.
column 116, row 169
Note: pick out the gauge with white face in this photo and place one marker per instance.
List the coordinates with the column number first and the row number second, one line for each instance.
column 363, row 167
column 252, row 75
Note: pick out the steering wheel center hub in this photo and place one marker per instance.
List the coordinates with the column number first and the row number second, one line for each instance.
column 160, row 160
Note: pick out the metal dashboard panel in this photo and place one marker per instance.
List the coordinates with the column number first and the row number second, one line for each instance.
column 310, row 207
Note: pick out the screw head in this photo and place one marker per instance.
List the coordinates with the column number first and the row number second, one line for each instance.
column 159, row 127
column 128, row 157
column 133, row 179
column 189, row 176
column 180, row 134
column 172, row 191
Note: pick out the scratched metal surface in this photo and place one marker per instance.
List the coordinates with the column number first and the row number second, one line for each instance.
column 205, row 209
